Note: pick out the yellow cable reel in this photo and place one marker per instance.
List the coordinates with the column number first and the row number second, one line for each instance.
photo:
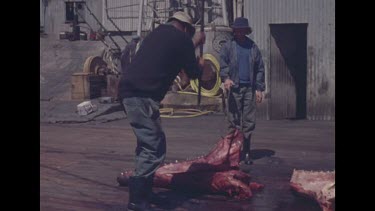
column 214, row 91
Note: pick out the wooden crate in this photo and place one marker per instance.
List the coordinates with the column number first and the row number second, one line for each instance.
column 87, row 86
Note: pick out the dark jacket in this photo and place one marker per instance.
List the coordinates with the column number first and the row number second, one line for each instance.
column 161, row 56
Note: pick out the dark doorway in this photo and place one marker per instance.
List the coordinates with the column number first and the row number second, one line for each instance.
column 288, row 71
column 69, row 11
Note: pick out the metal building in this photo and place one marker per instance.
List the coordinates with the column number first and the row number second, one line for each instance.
column 297, row 41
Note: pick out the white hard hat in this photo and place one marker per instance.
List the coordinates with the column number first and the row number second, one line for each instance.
column 183, row 17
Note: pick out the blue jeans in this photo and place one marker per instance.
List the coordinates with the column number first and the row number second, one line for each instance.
column 144, row 117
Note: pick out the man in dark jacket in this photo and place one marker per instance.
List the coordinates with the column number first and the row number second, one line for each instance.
column 161, row 56
column 242, row 70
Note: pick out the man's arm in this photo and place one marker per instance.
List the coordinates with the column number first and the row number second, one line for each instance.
column 259, row 70
column 191, row 65
column 224, row 62
column 224, row 66
column 259, row 77
column 199, row 38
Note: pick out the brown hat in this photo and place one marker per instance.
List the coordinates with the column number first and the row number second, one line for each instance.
column 185, row 18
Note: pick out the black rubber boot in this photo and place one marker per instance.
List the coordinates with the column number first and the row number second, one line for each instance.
column 138, row 194
column 245, row 153
column 152, row 197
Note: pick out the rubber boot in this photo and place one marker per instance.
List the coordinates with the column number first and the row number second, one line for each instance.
column 138, row 194
column 245, row 153
column 152, row 197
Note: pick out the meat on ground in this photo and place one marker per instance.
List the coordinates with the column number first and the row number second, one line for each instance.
column 217, row 172
column 317, row 185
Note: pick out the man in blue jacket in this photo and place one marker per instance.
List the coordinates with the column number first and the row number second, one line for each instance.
column 242, row 70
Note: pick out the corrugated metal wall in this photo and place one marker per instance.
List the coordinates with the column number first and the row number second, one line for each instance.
column 320, row 17
column 283, row 95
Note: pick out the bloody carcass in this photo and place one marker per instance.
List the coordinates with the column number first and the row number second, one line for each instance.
column 317, row 185
column 217, row 172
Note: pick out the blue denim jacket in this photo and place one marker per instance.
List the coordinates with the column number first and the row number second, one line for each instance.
column 229, row 65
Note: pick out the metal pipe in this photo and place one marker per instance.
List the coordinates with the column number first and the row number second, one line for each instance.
column 202, row 27
column 225, row 14
column 153, row 15
column 139, row 30
column 201, row 55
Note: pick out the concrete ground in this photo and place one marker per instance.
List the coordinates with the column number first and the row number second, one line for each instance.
column 79, row 162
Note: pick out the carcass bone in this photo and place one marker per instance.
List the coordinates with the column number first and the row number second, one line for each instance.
column 217, row 172
column 317, row 185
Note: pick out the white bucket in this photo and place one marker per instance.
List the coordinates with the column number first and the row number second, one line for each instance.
column 86, row 108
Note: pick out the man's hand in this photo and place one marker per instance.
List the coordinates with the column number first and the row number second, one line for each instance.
column 259, row 96
column 200, row 62
column 228, row 83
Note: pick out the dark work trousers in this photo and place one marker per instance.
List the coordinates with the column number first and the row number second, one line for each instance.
column 242, row 109
column 144, row 117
